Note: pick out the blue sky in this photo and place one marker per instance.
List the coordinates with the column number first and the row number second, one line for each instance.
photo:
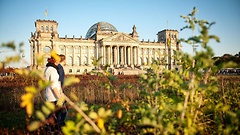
column 75, row 17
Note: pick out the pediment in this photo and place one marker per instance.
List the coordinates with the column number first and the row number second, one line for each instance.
column 119, row 37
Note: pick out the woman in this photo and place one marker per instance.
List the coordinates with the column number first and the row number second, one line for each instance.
column 53, row 92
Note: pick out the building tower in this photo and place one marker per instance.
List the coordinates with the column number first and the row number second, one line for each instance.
column 170, row 38
column 46, row 31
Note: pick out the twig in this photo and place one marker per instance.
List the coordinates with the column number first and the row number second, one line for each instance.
column 82, row 113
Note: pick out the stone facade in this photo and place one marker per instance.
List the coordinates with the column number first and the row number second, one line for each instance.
column 118, row 50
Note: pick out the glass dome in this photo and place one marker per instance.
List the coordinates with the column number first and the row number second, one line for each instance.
column 104, row 26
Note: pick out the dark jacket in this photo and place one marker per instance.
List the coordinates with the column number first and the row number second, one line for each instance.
column 61, row 74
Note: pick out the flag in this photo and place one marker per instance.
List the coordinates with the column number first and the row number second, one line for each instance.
column 46, row 13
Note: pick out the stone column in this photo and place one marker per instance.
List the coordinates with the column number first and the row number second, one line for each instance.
column 125, row 55
column 34, row 54
column 108, row 59
column 103, row 55
column 111, row 56
column 73, row 55
column 96, row 52
column 149, row 56
column 131, row 55
column 88, row 55
column 31, row 52
column 80, row 59
column 118, row 55
column 137, row 49
column 135, row 55
column 115, row 55
column 143, row 56
column 65, row 53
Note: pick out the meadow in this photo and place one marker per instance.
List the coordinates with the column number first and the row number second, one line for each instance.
column 13, row 118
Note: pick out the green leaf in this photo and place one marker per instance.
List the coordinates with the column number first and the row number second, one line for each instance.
column 73, row 96
column 93, row 115
column 45, row 110
column 50, row 105
column 34, row 126
column 87, row 127
column 69, row 128
column 40, row 115
column 101, row 112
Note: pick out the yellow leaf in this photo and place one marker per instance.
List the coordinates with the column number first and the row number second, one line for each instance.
column 119, row 114
column 100, row 123
column 29, row 109
column 70, row 80
column 26, row 99
column 31, row 89
column 18, row 71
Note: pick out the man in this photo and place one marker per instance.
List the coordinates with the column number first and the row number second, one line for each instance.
column 63, row 112
column 61, row 70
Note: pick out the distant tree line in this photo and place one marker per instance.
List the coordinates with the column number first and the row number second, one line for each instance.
column 228, row 58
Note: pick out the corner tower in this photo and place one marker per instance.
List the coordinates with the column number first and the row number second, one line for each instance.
column 46, row 28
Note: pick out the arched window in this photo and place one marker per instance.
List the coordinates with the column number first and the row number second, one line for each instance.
column 145, row 51
column 77, row 50
column 46, row 49
column 70, row 49
column 62, row 50
column 146, row 60
column 70, row 60
column 77, row 61
column 140, row 51
column 84, row 50
column 85, row 61
column 51, row 28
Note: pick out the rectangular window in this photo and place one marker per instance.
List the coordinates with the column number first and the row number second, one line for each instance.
column 62, row 50
column 46, row 28
column 42, row 28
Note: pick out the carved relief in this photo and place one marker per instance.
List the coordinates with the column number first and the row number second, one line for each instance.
column 121, row 38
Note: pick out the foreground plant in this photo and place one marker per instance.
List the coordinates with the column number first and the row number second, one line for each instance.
column 182, row 102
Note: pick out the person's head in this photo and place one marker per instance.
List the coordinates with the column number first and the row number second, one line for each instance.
column 54, row 60
column 62, row 58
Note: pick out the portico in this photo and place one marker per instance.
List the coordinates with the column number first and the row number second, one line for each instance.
column 119, row 55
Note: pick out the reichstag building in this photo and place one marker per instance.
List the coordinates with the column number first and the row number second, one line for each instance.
column 121, row 52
